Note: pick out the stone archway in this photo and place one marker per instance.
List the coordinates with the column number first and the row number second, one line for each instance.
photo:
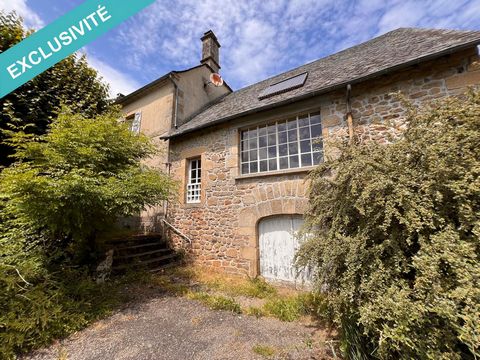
column 250, row 216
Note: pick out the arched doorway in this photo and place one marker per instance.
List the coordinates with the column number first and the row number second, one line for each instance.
column 278, row 243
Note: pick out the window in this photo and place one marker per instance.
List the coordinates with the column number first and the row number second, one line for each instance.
column 134, row 122
column 294, row 82
column 194, row 181
column 288, row 144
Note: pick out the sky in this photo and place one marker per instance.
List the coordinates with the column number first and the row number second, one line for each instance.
column 259, row 38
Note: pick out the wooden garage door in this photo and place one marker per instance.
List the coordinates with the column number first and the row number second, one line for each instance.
column 278, row 244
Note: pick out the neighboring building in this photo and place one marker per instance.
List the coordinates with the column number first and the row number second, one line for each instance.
column 241, row 158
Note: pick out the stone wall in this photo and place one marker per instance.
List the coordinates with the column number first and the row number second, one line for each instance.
column 223, row 226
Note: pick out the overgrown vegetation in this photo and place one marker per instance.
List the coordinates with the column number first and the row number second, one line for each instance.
column 216, row 302
column 33, row 106
column 219, row 292
column 396, row 238
column 63, row 188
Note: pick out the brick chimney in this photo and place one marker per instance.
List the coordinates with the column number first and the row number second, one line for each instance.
column 210, row 52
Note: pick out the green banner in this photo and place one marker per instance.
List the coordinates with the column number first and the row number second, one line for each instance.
column 63, row 37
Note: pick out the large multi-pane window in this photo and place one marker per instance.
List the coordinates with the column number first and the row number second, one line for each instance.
column 288, row 144
column 194, row 182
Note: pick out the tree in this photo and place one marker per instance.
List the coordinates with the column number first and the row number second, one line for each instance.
column 74, row 181
column 32, row 107
column 396, row 237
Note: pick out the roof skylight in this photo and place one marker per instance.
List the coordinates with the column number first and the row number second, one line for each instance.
column 294, row 82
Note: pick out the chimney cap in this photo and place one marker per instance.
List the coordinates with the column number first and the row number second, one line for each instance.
column 210, row 34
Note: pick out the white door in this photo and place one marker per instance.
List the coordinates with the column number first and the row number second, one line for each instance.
column 278, row 244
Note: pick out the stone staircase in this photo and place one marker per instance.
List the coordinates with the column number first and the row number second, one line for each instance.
column 148, row 252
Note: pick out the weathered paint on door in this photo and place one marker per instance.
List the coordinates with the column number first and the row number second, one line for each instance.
column 278, row 244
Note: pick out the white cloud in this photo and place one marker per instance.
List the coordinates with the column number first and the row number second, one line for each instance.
column 264, row 37
column 118, row 81
column 32, row 20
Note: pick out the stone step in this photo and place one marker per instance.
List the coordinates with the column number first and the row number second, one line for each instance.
column 166, row 266
column 135, row 249
column 146, row 263
column 143, row 254
column 136, row 239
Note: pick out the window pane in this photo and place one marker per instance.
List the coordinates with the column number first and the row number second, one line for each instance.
column 306, row 160
column 244, row 168
column 282, row 137
column 272, row 139
column 317, row 158
column 272, row 165
column 303, row 120
column 244, row 156
column 292, row 135
column 244, row 145
column 282, row 126
column 304, row 133
column 315, row 118
column 254, row 167
column 284, row 163
column 252, row 143
column 244, row 135
column 199, row 174
column 252, row 133
column 272, row 129
column 283, row 150
column 293, row 148
column 272, row 151
column 262, row 153
column 262, row 141
column 316, row 131
column 292, row 124
column 253, row 155
column 262, row 131
column 294, row 161
column 305, row 146
column 263, row 165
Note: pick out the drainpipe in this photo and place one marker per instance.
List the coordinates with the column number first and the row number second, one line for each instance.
column 349, row 114
column 175, row 108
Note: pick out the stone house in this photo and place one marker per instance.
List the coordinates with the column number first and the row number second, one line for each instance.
column 241, row 158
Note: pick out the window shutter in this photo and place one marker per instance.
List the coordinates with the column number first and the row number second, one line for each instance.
column 137, row 122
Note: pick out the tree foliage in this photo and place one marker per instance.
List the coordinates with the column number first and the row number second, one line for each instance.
column 32, row 107
column 78, row 178
column 396, row 237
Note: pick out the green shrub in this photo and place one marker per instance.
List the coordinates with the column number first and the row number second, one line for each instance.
column 396, row 237
column 50, row 306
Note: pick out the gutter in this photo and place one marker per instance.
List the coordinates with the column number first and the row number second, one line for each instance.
column 327, row 89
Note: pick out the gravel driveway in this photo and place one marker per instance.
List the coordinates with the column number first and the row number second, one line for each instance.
column 168, row 327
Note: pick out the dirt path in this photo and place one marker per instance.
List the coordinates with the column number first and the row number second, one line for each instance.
column 168, row 327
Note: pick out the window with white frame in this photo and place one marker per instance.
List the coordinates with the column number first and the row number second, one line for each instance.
column 194, row 182
column 287, row 144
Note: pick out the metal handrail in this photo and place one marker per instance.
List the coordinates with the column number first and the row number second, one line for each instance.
column 178, row 232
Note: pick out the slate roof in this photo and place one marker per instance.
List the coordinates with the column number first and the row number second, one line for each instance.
column 388, row 52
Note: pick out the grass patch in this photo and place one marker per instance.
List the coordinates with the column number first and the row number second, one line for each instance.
column 216, row 302
column 264, row 350
column 255, row 311
column 293, row 307
column 257, row 287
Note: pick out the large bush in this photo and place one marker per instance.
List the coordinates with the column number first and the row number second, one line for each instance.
column 396, row 237
column 63, row 188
